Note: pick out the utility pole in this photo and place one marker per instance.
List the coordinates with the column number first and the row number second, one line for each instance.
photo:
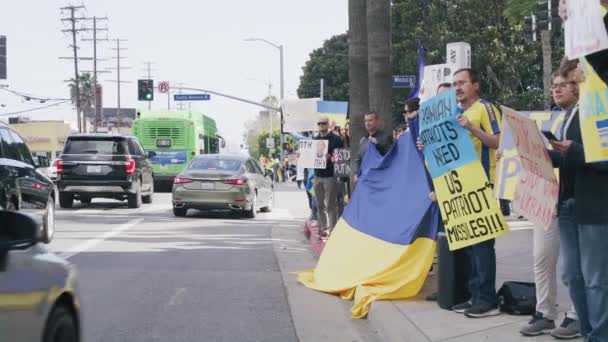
column 96, row 104
column 321, row 90
column 180, row 103
column 118, row 80
column 545, row 38
column 73, row 20
column 149, row 70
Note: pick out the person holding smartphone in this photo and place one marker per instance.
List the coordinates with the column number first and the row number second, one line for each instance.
column 546, row 243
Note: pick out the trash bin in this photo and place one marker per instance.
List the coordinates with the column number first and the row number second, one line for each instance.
column 453, row 275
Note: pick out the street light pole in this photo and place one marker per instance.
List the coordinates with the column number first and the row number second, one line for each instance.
column 282, row 85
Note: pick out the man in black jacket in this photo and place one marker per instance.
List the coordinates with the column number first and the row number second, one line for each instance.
column 583, row 225
column 325, row 185
column 382, row 140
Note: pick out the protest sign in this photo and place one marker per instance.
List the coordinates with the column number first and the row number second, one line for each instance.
column 341, row 160
column 584, row 30
column 299, row 115
column 593, row 112
column 313, row 153
column 508, row 168
column 537, row 189
column 468, row 208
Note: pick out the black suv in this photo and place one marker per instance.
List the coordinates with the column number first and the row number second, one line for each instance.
column 104, row 166
column 22, row 186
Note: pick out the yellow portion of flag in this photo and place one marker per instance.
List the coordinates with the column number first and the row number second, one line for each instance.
column 362, row 268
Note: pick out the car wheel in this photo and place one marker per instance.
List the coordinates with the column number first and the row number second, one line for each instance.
column 48, row 228
column 252, row 212
column 61, row 326
column 268, row 208
column 148, row 198
column 66, row 200
column 86, row 200
column 135, row 199
column 180, row 212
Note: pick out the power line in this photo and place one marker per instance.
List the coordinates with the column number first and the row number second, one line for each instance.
column 37, row 108
column 33, row 97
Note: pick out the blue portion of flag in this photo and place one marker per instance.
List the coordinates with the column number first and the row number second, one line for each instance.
column 332, row 107
column 416, row 91
column 391, row 200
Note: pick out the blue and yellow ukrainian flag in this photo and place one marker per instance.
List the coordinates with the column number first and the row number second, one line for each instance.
column 335, row 110
column 383, row 246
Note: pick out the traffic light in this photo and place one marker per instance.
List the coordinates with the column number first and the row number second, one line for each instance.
column 530, row 27
column 145, row 90
column 547, row 15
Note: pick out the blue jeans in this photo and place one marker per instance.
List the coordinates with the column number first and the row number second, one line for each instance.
column 584, row 250
column 482, row 280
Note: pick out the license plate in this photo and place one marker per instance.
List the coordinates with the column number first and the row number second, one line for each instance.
column 94, row 169
column 207, row 186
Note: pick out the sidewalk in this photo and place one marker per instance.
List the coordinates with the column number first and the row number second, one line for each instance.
column 419, row 320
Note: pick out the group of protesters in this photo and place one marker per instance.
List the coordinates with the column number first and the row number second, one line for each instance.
column 579, row 232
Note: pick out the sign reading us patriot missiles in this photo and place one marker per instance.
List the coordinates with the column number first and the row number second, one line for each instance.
column 469, row 210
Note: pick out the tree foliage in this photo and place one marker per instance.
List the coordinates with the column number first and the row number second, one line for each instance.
column 510, row 67
column 330, row 63
column 85, row 85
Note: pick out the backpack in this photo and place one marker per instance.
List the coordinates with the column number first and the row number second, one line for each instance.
column 517, row 298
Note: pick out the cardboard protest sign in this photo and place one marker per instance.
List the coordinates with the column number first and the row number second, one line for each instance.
column 299, row 115
column 341, row 160
column 508, row 168
column 537, row 190
column 468, row 208
column 584, row 30
column 313, row 153
column 593, row 111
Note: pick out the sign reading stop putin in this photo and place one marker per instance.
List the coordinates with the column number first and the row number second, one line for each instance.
column 163, row 87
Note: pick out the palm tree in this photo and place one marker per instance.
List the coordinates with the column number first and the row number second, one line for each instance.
column 379, row 60
column 85, row 83
column 358, row 97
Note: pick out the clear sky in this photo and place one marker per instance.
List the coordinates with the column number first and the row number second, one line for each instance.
column 198, row 43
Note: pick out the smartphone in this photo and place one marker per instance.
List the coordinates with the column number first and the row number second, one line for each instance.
column 549, row 135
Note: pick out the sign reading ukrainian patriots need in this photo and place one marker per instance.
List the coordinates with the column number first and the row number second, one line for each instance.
column 468, row 208
column 537, row 189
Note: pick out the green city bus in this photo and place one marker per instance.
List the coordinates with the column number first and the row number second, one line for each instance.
column 175, row 137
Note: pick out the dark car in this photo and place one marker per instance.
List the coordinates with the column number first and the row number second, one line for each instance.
column 22, row 186
column 39, row 299
column 104, row 166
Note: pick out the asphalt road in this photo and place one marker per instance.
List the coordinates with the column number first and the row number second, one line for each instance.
column 146, row 275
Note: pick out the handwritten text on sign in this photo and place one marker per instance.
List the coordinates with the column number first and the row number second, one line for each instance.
column 313, row 153
column 537, row 190
column 341, row 160
column 469, row 210
column 508, row 168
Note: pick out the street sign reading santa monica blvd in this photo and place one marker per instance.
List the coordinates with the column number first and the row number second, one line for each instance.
column 404, row 81
column 191, row 97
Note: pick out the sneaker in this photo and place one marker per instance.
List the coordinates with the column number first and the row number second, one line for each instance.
column 569, row 329
column 482, row 310
column 538, row 326
column 462, row 307
column 324, row 234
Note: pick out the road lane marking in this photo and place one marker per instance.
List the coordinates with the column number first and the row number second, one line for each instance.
column 89, row 244
column 176, row 298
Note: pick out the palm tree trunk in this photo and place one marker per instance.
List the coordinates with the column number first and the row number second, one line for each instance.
column 358, row 98
column 379, row 57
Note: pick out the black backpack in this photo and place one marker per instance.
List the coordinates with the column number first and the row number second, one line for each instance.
column 517, row 298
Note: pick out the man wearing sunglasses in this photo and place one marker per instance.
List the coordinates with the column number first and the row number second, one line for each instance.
column 325, row 184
